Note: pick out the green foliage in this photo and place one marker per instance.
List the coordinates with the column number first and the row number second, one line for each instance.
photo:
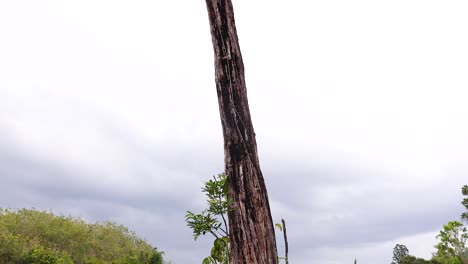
column 279, row 226
column 45, row 256
column 216, row 192
column 412, row 260
column 435, row 260
column 39, row 237
column 399, row 252
column 452, row 248
column 464, row 216
column 202, row 223
column 408, row 259
column 212, row 220
column 219, row 252
column 156, row 257
column 446, row 260
column 453, row 240
column 11, row 247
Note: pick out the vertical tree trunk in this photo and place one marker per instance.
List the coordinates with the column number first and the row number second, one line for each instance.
column 252, row 236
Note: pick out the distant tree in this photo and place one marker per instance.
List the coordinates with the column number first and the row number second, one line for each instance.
column 156, row 257
column 453, row 240
column 412, row 260
column 452, row 248
column 399, row 252
column 44, row 256
column 435, row 260
column 464, row 216
column 39, row 237
column 445, row 260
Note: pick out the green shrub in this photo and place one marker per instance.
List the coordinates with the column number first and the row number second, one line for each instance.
column 44, row 256
column 39, row 237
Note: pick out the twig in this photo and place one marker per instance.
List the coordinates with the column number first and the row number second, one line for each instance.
column 214, row 234
column 285, row 241
column 222, row 215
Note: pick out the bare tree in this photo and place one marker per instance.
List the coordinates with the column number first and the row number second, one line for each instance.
column 252, row 236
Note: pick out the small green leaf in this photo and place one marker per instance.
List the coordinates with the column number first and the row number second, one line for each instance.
column 279, row 226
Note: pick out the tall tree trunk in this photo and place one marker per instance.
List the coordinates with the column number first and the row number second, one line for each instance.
column 252, row 236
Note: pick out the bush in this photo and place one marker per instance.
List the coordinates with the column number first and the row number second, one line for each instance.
column 43, row 256
column 39, row 237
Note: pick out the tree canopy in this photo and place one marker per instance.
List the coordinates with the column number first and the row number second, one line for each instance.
column 30, row 236
column 399, row 252
column 464, row 202
column 452, row 247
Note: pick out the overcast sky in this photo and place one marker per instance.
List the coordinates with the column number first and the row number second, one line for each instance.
column 108, row 111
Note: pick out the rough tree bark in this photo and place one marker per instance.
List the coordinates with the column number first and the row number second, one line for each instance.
column 252, row 236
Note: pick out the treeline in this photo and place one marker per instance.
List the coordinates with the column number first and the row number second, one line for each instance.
column 452, row 247
column 40, row 237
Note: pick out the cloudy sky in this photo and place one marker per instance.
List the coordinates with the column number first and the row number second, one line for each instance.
column 108, row 111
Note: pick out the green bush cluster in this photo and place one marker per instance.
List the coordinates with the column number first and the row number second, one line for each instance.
column 435, row 260
column 40, row 237
column 452, row 247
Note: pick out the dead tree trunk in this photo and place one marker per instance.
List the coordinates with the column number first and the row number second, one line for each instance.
column 252, row 236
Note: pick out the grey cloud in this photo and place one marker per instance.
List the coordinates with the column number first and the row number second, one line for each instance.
column 367, row 205
column 159, row 218
column 147, row 185
column 355, row 214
